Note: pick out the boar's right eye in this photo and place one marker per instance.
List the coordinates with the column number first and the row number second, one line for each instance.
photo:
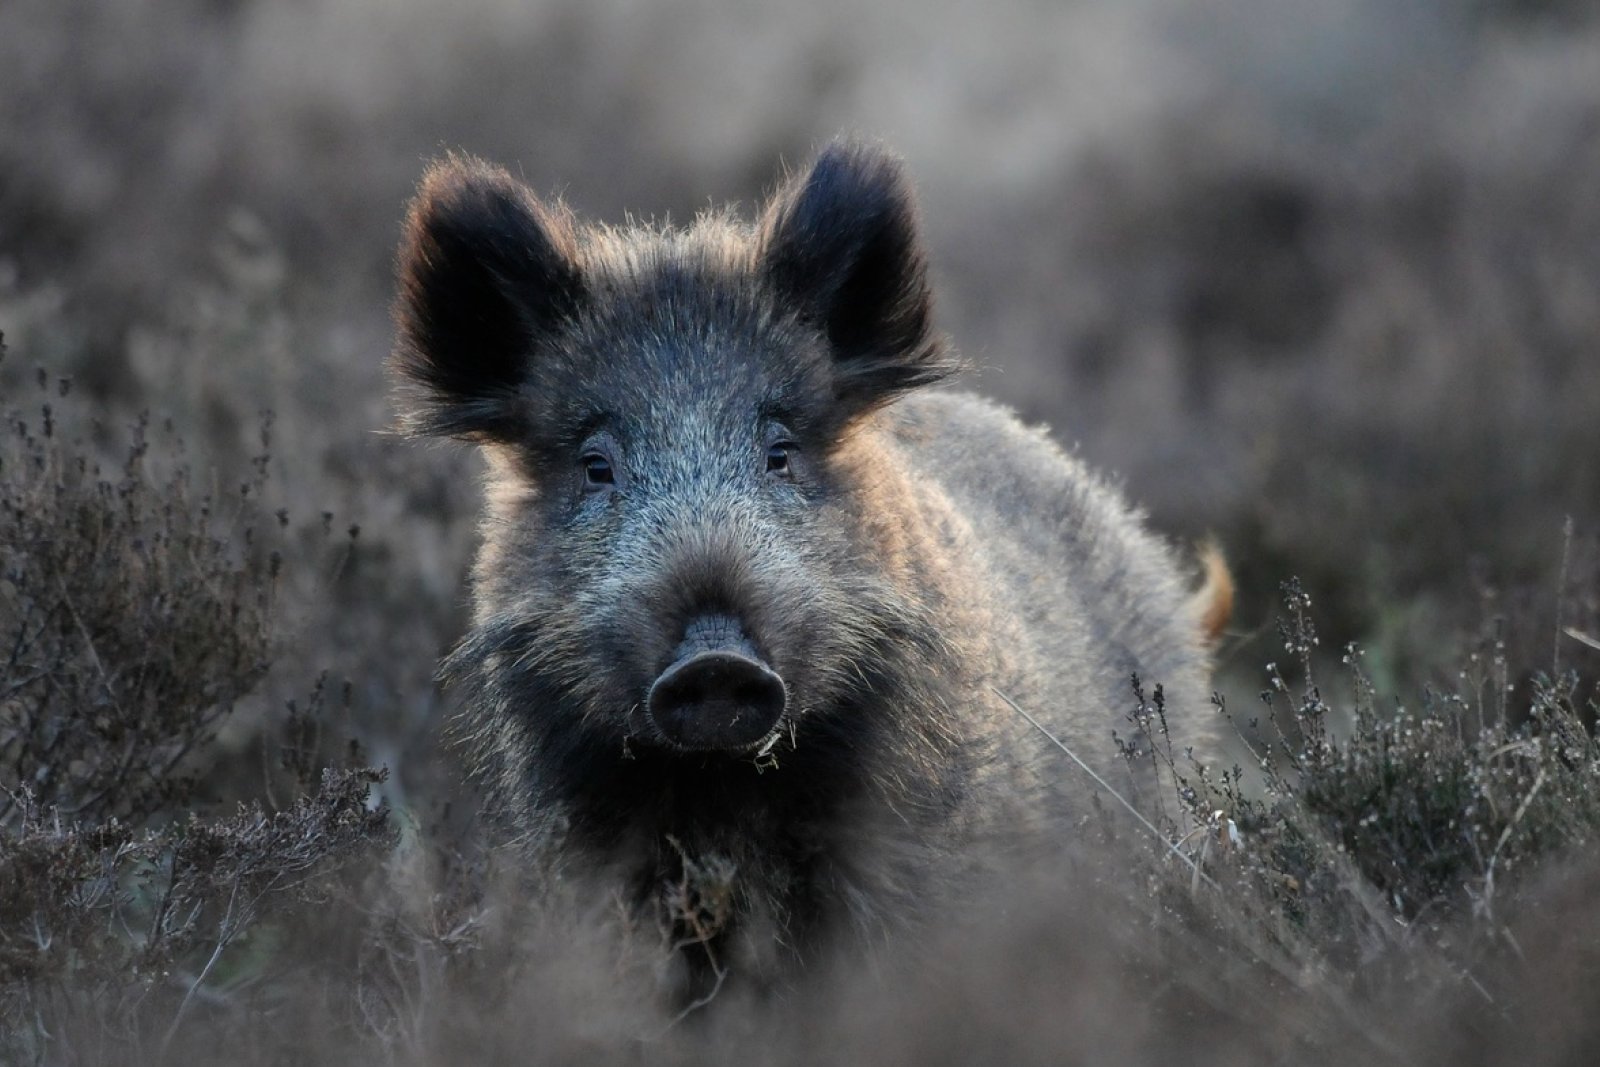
column 597, row 471
column 778, row 459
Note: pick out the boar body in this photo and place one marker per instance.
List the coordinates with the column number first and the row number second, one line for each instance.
column 748, row 589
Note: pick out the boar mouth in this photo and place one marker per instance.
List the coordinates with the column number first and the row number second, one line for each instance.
column 717, row 694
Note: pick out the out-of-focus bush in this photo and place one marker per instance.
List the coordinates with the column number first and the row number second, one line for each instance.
column 135, row 610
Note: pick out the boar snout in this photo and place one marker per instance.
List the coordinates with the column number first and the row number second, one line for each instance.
column 716, row 694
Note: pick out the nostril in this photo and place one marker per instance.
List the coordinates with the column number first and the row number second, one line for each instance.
column 717, row 700
column 713, row 676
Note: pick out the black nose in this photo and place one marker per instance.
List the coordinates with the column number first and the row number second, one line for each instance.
column 716, row 694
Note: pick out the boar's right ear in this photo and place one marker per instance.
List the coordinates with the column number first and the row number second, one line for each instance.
column 485, row 271
column 841, row 244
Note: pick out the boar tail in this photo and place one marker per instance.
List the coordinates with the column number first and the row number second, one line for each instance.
column 1212, row 603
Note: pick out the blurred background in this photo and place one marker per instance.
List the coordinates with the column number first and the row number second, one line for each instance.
column 1320, row 278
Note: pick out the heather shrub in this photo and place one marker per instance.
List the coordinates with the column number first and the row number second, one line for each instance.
column 1427, row 808
column 1373, row 854
column 135, row 611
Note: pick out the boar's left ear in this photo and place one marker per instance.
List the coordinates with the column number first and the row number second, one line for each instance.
column 842, row 244
column 485, row 273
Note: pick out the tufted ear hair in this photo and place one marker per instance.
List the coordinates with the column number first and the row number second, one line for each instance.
column 840, row 245
column 486, row 272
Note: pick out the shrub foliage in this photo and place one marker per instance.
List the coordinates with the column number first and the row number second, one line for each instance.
column 135, row 612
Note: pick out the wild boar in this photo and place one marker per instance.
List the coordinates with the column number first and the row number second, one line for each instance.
column 749, row 589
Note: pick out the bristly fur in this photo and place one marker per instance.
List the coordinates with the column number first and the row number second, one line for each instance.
column 915, row 552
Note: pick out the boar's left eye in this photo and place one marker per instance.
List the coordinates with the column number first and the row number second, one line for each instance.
column 597, row 471
column 778, row 459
